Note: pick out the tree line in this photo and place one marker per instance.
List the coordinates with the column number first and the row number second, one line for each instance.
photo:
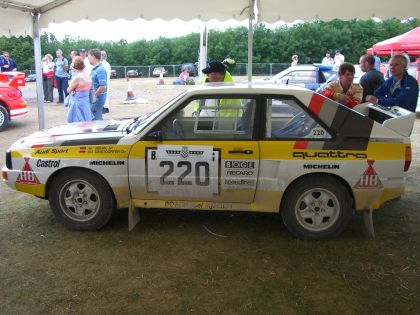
column 308, row 40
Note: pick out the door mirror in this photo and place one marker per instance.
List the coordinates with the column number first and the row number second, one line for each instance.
column 154, row 135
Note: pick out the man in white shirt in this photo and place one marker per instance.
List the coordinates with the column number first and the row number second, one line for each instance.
column 107, row 67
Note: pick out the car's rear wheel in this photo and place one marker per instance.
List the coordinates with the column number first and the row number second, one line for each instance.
column 316, row 207
column 4, row 117
column 81, row 200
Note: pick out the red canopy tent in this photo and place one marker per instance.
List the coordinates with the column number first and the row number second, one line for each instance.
column 409, row 42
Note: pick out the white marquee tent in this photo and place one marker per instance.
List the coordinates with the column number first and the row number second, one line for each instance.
column 26, row 17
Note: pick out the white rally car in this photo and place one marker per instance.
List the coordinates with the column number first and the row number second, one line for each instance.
column 236, row 147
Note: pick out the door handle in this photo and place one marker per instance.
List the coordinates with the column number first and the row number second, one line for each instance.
column 241, row 152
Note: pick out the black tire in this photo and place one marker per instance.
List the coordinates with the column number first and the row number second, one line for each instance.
column 81, row 200
column 4, row 117
column 316, row 207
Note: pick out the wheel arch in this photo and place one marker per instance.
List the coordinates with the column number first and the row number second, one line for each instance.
column 69, row 169
column 317, row 174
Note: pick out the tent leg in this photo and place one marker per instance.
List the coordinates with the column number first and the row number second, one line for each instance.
column 38, row 58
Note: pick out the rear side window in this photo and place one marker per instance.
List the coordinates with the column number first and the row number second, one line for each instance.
column 285, row 119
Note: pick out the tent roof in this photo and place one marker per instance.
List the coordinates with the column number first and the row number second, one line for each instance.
column 409, row 42
column 17, row 18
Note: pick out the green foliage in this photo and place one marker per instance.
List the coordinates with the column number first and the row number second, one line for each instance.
column 308, row 40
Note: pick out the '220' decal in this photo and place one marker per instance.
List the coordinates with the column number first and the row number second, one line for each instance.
column 201, row 173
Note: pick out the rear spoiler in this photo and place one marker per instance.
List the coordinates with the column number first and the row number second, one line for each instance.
column 13, row 78
column 395, row 118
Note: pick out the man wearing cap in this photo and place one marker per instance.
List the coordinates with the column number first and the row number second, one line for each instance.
column 216, row 72
column 88, row 66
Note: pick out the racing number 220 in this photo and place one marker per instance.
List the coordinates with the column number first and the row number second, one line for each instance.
column 200, row 168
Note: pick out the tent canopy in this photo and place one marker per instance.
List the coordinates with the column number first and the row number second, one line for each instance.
column 17, row 15
column 409, row 42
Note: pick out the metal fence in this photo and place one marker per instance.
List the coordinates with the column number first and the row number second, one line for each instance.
column 240, row 69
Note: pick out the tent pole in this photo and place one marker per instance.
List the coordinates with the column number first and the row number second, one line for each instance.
column 38, row 70
column 202, row 60
column 250, row 38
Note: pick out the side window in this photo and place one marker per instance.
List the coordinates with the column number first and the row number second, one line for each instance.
column 285, row 119
column 211, row 118
column 302, row 77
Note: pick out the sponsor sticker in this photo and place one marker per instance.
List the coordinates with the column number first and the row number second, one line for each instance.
column 369, row 179
column 27, row 176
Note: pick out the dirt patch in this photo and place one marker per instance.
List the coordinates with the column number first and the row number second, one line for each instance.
column 171, row 264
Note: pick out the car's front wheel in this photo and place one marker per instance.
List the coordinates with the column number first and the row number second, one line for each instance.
column 316, row 207
column 4, row 117
column 81, row 200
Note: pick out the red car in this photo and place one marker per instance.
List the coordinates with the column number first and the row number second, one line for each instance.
column 12, row 103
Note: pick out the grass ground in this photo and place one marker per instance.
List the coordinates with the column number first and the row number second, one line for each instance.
column 180, row 262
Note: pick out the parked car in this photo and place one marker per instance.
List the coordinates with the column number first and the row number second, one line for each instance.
column 313, row 161
column 133, row 73
column 192, row 69
column 158, row 70
column 12, row 103
column 309, row 76
column 114, row 74
column 30, row 78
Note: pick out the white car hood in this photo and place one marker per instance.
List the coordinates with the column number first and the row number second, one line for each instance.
column 83, row 133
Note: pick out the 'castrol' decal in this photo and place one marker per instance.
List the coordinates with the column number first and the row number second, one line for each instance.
column 27, row 176
column 369, row 179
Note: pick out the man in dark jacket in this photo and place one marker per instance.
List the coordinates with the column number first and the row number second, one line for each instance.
column 401, row 89
column 372, row 79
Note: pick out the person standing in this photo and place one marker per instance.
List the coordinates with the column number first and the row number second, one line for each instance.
column 338, row 59
column 48, row 78
column 7, row 63
column 107, row 67
column 377, row 65
column 327, row 60
column 61, row 75
column 344, row 90
column 295, row 60
column 372, row 78
column 401, row 89
column 99, row 83
column 79, row 89
column 83, row 54
column 72, row 73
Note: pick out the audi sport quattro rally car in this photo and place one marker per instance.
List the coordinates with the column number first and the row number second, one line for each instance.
column 12, row 104
column 236, row 147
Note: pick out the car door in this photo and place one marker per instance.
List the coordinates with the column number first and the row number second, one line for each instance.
column 205, row 150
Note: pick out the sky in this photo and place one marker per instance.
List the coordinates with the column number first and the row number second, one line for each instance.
column 103, row 30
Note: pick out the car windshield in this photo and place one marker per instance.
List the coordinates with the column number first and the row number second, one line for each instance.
column 140, row 122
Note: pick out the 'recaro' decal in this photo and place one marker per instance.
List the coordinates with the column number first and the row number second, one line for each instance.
column 27, row 176
column 369, row 179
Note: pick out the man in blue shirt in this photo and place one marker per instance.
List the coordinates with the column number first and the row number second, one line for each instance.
column 7, row 63
column 99, row 83
column 61, row 68
column 401, row 89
